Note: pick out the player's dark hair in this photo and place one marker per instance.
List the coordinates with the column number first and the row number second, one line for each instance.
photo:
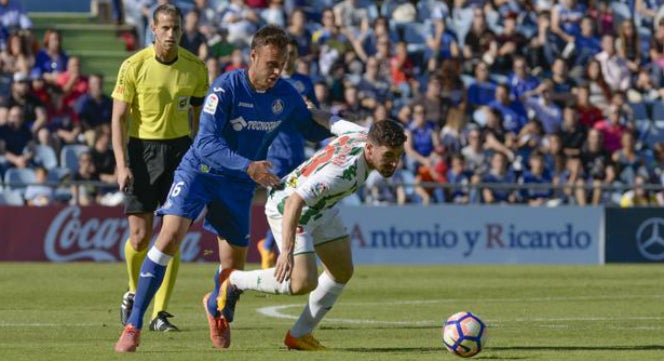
column 169, row 9
column 387, row 132
column 270, row 35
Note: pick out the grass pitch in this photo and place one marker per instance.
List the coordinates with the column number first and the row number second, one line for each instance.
column 70, row 312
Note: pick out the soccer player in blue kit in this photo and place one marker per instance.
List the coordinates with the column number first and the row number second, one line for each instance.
column 287, row 149
column 242, row 113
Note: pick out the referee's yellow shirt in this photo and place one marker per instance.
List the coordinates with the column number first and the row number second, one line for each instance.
column 159, row 94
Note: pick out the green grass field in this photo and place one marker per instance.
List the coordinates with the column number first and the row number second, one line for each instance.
column 70, row 312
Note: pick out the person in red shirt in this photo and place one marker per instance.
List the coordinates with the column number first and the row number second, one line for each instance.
column 588, row 113
column 612, row 129
column 72, row 82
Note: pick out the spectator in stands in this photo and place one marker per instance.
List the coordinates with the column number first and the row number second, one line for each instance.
column 566, row 21
column 607, row 188
column 521, row 82
column 614, row 67
column 542, row 48
column 16, row 52
column 612, row 129
column 369, row 39
column 453, row 91
column 432, row 101
column 510, row 43
column 84, row 192
column 13, row 17
column 72, row 83
column 422, row 139
column 51, row 59
column 39, row 194
column 441, row 44
column 587, row 45
column 298, row 31
column 402, row 67
column 372, row 88
column 15, row 135
column 274, row 13
column 628, row 161
column 387, row 191
column 33, row 110
column 536, row 175
column 563, row 85
column 540, row 102
column 452, row 134
column 241, row 21
column 647, row 10
column 644, row 89
column 589, row 114
column 474, row 153
column 192, row 38
column 512, row 114
column 500, row 178
column 94, row 108
column 236, row 61
column 600, row 93
column 480, row 42
column 329, row 43
column 628, row 45
column 102, row 156
column 572, row 134
column 208, row 18
column 594, row 157
column 351, row 14
column 657, row 54
column 482, row 91
column 640, row 197
column 213, row 68
column 459, row 178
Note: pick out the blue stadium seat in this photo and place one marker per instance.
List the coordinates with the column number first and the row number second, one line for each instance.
column 11, row 198
column 45, row 156
column 19, row 178
column 640, row 111
column 658, row 111
column 57, row 175
column 69, row 156
column 414, row 34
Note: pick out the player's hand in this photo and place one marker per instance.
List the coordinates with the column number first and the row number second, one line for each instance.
column 283, row 267
column 259, row 171
column 125, row 179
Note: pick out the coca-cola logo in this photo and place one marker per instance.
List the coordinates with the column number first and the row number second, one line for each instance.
column 69, row 238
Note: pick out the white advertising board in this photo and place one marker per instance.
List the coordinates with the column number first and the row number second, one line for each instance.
column 475, row 234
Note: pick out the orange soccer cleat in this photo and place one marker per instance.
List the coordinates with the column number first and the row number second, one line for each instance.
column 220, row 329
column 129, row 340
column 304, row 343
column 268, row 257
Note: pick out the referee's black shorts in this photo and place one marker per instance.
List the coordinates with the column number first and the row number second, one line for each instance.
column 153, row 164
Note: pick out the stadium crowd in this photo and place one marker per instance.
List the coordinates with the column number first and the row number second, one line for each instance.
column 542, row 102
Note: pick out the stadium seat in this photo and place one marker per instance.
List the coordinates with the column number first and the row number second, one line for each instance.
column 414, row 34
column 69, row 156
column 45, row 156
column 11, row 198
column 19, row 178
column 640, row 111
column 57, row 175
column 658, row 111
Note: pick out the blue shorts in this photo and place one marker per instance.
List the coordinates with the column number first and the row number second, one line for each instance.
column 228, row 202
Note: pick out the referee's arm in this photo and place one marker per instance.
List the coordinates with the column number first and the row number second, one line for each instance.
column 119, row 139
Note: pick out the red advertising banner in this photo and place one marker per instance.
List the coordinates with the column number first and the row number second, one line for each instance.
column 95, row 233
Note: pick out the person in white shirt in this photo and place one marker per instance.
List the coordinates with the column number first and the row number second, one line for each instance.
column 614, row 67
column 305, row 220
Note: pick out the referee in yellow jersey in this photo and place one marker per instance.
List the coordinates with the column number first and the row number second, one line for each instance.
column 156, row 104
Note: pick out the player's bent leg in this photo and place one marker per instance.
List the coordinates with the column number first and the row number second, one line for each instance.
column 304, row 277
column 135, row 250
column 336, row 257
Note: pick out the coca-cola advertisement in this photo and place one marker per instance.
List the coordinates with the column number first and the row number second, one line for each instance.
column 95, row 233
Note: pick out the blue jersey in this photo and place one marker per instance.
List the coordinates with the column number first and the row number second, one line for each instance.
column 238, row 124
column 287, row 149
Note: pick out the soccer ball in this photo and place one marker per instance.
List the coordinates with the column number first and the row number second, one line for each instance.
column 464, row 334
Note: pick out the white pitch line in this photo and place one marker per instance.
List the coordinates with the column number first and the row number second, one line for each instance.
column 276, row 311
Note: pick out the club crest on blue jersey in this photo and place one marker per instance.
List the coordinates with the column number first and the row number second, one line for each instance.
column 277, row 106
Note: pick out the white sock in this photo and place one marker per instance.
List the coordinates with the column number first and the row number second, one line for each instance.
column 158, row 256
column 260, row 280
column 321, row 301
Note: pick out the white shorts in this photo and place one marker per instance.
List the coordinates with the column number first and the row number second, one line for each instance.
column 327, row 228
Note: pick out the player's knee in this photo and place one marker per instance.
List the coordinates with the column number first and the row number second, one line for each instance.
column 344, row 275
column 304, row 286
column 139, row 238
